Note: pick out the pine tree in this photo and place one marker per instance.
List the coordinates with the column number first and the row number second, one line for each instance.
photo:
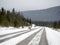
column 30, row 20
column 2, row 11
column 55, row 24
column 13, row 10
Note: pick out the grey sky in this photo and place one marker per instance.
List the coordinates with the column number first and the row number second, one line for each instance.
column 24, row 5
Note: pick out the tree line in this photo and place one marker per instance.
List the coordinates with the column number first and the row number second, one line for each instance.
column 54, row 24
column 13, row 18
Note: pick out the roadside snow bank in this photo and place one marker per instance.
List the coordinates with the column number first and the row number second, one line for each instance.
column 53, row 37
column 6, row 30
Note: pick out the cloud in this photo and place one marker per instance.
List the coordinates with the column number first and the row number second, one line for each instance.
column 28, row 4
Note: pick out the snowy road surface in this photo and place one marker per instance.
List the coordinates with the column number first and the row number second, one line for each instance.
column 34, row 36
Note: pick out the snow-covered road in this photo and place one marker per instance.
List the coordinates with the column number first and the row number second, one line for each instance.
column 25, row 36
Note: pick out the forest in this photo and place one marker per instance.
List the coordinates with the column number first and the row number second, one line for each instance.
column 13, row 18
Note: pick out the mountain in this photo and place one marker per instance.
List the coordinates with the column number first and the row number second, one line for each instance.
column 50, row 14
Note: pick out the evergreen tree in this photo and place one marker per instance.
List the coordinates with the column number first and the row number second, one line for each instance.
column 13, row 10
column 55, row 24
column 13, row 18
column 2, row 11
column 30, row 20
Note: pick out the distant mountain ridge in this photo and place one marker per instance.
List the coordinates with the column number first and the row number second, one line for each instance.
column 50, row 14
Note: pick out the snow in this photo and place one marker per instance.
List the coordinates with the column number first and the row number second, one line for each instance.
column 58, row 30
column 53, row 37
column 18, row 39
column 33, row 24
column 7, row 36
column 13, row 31
column 36, row 39
column 6, row 30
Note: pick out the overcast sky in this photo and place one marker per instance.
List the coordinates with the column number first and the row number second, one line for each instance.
column 24, row 5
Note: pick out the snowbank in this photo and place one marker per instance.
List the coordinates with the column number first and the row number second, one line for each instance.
column 6, row 30
column 53, row 37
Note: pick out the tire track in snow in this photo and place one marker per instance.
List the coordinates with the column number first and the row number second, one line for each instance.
column 36, row 39
column 28, row 39
column 10, row 33
column 18, row 39
column 16, row 35
column 43, row 40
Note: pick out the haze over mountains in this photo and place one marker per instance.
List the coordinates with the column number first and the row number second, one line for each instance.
column 50, row 14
